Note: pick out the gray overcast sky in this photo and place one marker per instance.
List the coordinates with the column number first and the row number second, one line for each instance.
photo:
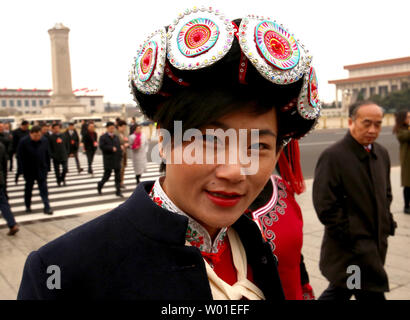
column 105, row 35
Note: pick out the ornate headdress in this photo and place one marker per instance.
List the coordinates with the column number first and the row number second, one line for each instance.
column 201, row 37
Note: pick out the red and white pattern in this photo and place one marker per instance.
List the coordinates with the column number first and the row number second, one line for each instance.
column 196, row 234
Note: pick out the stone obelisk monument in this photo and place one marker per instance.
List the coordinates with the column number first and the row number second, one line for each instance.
column 63, row 101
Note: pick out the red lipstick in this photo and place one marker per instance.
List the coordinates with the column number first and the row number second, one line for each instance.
column 224, row 199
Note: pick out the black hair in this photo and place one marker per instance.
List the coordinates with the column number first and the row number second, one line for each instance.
column 24, row 122
column 400, row 117
column 35, row 129
column 109, row 124
column 354, row 107
column 55, row 124
column 121, row 123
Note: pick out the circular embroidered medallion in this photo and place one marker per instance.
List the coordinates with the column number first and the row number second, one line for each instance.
column 313, row 91
column 197, row 36
column 147, row 71
column 276, row 45
column 273, row 50
column 308, row 100
column 146, row 61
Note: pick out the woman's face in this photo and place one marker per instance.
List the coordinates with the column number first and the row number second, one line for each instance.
column 217, row 194
column 408, row 118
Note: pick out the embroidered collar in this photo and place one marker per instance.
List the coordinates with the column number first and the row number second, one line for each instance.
column 196, row 234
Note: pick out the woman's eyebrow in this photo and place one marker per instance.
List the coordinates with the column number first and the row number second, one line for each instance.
column 267, row 132
column 218, row 124
column 225, row 127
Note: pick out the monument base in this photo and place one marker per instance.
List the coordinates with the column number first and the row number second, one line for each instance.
column 64, row 109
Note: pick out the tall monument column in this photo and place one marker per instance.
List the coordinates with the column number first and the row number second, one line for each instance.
column 63, row 101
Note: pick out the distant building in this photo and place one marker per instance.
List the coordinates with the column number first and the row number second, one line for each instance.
column 30, row 101
column 131, row 109
column 372, row 78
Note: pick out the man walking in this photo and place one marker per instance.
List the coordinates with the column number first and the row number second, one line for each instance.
column 71, row 136
column 33, row 151
column 122, row 135
column 6, row 139
column 4, row 203
column 8, row 132
column 352, row 197
column 59, row 153
column 17, row 135
column 90, row 145
column 112, row 155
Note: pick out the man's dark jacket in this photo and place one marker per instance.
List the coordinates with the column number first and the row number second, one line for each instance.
column 111, row 159
column 18, row 134
column 7, row 140
column 352, row 197
column 137, row 251
column 73, row 141
column 58, row 147
column 88, row 140
column 34, row 157
column 3, row 160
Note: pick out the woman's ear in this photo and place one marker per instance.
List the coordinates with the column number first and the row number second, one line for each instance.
column 161, row 142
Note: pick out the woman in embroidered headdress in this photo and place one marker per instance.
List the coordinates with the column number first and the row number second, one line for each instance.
column 226, row 95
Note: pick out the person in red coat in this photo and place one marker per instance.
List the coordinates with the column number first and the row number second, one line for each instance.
column 281, row 223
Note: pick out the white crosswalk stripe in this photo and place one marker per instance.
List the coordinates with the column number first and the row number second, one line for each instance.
column 79, row 195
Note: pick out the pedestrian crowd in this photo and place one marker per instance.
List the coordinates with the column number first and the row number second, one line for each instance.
column 40, row 147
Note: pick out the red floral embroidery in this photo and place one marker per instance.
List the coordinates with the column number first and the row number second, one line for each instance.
column 158, row 201
column 193, row 238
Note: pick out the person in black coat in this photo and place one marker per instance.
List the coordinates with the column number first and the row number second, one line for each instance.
column 17, row 135
column 90, row 145
column 4, row 203
column 352, row 197
column 71, row 136
column 112, row 155
column 9, row 133
column 33, row 150
column 7, row 140
column 186, row 236
column 59, row 147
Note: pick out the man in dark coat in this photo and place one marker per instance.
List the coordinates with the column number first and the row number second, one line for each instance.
column 137, row 252
column 9, row 133
column 112, row 155
column 59, row 153
column 352, row 197
column 6, row 139
column 90, row 144
column 71, row 136
column 17, row 135
column 33, row 151
column 4, row 203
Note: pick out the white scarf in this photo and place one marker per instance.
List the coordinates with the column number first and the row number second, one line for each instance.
column 243, row 288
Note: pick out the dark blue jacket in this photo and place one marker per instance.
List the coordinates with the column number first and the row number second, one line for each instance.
column 34, row 157
column 111, row 159
column 137, row 251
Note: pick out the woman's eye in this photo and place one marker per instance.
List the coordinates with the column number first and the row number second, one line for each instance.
column 259, row 146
